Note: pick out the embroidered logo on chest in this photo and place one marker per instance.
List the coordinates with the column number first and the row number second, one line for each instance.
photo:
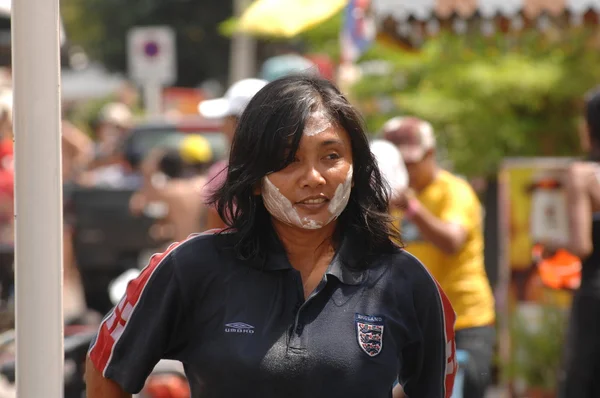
column 239, row 327
column 369, row 332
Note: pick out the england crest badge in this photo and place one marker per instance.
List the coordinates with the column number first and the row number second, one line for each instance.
column 369, row 331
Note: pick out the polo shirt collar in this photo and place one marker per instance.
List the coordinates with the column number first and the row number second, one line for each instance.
column 343, row 266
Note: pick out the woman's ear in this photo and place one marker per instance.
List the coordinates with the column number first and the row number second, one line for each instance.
column 257, row 189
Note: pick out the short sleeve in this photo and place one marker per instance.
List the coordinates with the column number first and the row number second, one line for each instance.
column 461, row 207
column 429, row 365
column 144, row 327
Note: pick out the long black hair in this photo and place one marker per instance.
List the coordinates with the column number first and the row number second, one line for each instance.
column 266, row 140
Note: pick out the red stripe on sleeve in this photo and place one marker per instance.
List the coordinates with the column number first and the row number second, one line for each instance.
column 114, row 325
column 449, row 319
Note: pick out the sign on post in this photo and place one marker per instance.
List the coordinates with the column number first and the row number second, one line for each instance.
column 152, row 61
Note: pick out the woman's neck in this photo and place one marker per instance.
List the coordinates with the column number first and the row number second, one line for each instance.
column 305, row 247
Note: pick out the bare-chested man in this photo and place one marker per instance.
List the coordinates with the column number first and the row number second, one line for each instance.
column 582, row 365
column 170, row 196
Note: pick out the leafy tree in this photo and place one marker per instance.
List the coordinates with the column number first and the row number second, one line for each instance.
column 489, row 98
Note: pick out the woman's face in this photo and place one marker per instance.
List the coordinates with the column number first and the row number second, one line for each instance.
column 315, row 188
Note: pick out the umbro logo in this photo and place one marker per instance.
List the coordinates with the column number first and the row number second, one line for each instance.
column 239, row 327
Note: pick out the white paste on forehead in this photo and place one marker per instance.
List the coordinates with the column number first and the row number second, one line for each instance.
column 282, row 209
column 318, row 121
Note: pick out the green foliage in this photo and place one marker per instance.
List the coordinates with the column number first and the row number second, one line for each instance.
column 537, row 350
column 488, row 98
column 324, row 38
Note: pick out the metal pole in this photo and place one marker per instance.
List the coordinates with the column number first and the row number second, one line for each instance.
column 242, row 57
column 38, row 198
column 153, row 98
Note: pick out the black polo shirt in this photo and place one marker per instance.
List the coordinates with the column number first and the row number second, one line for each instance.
column 244, row 330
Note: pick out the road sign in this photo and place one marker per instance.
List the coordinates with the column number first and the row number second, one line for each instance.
column 152, row 55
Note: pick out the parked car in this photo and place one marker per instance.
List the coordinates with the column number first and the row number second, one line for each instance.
column 166, row 133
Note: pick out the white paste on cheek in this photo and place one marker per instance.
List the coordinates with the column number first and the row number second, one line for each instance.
column 317, row 122
column 278, row 205
column 341, row 197
column 282, row 209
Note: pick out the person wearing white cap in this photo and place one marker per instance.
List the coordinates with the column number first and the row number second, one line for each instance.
column 391, row 165
column 230, row 107
column 441, row 223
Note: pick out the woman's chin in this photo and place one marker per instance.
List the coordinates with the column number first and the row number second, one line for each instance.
column 311, row 224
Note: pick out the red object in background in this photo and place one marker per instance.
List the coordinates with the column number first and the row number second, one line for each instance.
column 324, row 63
column 7, row 195
column 183, row 100
column 6, row 154
column 167, row 386
column 560, row 270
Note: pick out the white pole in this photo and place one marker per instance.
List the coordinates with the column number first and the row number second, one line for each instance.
column 153, row 98
column 38, row 198
column 242, row 55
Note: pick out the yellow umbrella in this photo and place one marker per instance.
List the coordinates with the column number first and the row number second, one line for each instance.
column 287, row 18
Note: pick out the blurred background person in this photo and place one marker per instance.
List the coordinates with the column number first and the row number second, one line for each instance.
column 441, row 224
column 111, row 166
column 171, row 189
column 111, row 126
column 581, row 377
column 391, row 165
column 230, row 108
column 77, row 151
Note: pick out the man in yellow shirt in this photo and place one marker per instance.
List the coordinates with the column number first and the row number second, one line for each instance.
column 442, row 226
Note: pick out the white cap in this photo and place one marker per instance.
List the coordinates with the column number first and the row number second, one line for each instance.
column 391, row 165
column 116, row 113
column 235, row 100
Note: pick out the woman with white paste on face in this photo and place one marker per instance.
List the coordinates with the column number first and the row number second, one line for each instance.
column 305, row 294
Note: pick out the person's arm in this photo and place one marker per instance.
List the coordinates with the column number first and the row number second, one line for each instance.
column 448, row 236
column 81, row 145
column 97, row 386
column 448, row 230
column 143, row 328
column 429, row 365
column 580, row 177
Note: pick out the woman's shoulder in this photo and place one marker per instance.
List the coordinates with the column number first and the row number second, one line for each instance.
column 404, row 265
column 201, row 252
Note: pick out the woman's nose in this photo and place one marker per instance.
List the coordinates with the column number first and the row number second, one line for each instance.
column 312, row 177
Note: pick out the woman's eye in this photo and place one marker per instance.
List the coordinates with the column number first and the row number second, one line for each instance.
column 333, row 156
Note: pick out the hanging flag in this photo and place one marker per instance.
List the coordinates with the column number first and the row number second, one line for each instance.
column 358, row 31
